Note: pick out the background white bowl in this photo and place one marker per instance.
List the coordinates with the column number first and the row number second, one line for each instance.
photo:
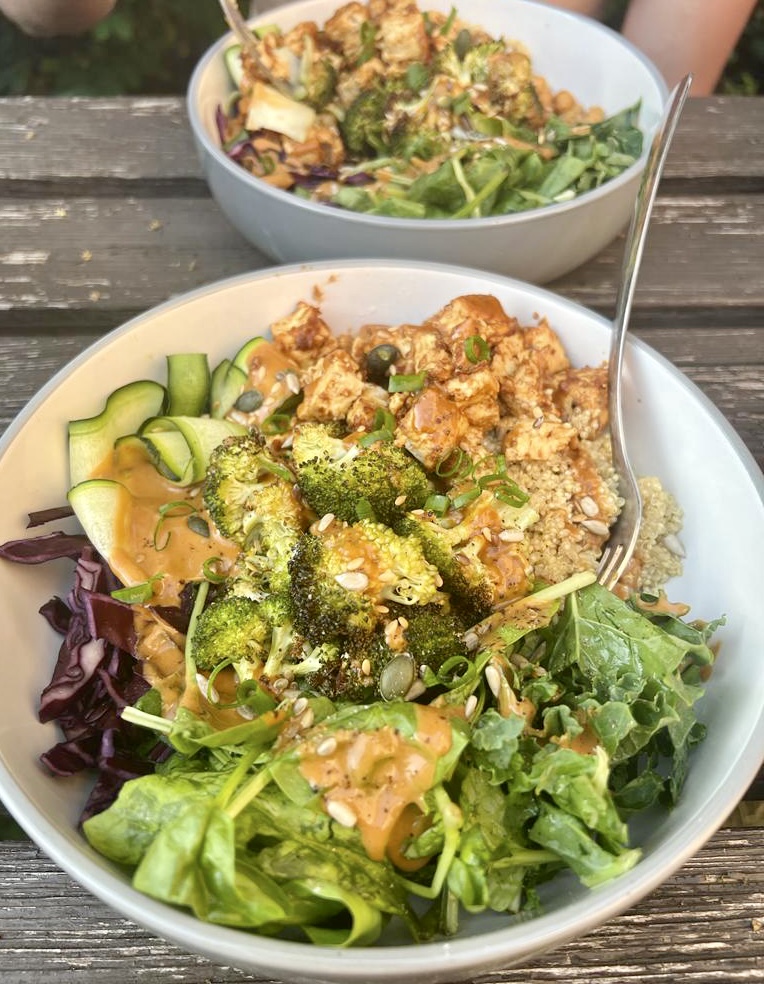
column 597, row 65
column 673, row 431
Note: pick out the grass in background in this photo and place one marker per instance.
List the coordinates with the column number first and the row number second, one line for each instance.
column 150, row 49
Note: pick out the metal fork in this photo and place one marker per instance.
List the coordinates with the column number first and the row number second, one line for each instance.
column 624, row 532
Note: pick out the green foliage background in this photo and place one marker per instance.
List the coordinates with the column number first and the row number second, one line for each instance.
column 150, row 48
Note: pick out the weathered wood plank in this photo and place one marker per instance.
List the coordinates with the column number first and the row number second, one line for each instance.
column 148, row 139
column 92, row 257
column 704, row 923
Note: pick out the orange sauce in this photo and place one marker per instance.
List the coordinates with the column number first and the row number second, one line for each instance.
column 375, row 776
column 144, row 547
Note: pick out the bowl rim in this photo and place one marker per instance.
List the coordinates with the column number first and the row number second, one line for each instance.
column 212, row 149
column 302, row 960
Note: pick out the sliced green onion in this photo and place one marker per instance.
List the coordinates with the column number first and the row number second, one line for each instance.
column 210, row 571
column 276, row 423
column 280, row 471
column 374, row 436
column 456, row 465
column 464, row 498
column 511, row 494
column 137, row 594
column 476, row 349
column 406, row 383
column 437, row 504
column 170, row 510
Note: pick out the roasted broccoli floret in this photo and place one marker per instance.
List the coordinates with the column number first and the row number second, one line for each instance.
column 432, row 634
column 343, row 576
column 477, row 549
column 250, row 498
column 335, row 476
column 231, row 630
column 409, row 139
column 465, row 578
column 363, row 128
column 325, row 610
column 240, row 469
column 348, row 672
column 318, row 84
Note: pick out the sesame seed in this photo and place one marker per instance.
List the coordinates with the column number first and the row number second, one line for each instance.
column 400, row 500
column 493, row 679
column 470, row 706
column 588, row 506
column 293, row 383
column 326, row 522
column 366, row 667
column 511, row 536
column 352, row 580
column 596, row 526
column 355, row 564
column 327, row 747
column 487, row 534
column 341, row 812
column 438, row 581
column 471, row 640
column 403, row 621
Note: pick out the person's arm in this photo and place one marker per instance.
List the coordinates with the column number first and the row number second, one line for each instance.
column 681, row 36
column 46, row 18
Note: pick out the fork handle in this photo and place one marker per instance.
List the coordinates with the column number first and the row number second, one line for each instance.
column 635, row 244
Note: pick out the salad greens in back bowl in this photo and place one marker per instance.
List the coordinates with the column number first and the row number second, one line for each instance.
column 252, row 826
column 510, row 136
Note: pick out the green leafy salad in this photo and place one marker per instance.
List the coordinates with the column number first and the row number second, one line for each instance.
column 390, row 110
column 337, row 694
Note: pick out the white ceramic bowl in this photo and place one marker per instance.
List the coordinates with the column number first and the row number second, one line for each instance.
column 673, row 431
column 597, row 65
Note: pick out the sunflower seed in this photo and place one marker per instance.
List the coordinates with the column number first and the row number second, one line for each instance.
column 470, row 706
column 325, row 522
column 206, row 690
column 299, row 706
column 596, row 526
column 673, row 544
column 511, row 536
column 352, row 580
column 366, row 667
column 400, row 500
column 355, row 564
column 327, row 747
column 293, row 383
column 341, row 812
column 493, row 679
column 588, row 506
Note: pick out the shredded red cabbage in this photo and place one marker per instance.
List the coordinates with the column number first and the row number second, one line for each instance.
column 96, row 674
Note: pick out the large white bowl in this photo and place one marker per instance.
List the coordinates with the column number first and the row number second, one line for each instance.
column 673, row 431
column 597, row 65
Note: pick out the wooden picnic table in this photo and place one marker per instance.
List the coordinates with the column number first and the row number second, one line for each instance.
column 104, row 213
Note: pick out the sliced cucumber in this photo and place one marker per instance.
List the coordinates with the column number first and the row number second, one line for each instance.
column 91, row 439
column 98, row 504
column 188, row 384
column 201, row 435
column 233, row 62
column 243, row 357
column 226, row 386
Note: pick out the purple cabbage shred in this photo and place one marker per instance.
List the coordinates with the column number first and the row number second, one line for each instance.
column 96, row 673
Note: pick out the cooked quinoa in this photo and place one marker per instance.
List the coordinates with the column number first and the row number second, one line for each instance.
column 488, row 385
